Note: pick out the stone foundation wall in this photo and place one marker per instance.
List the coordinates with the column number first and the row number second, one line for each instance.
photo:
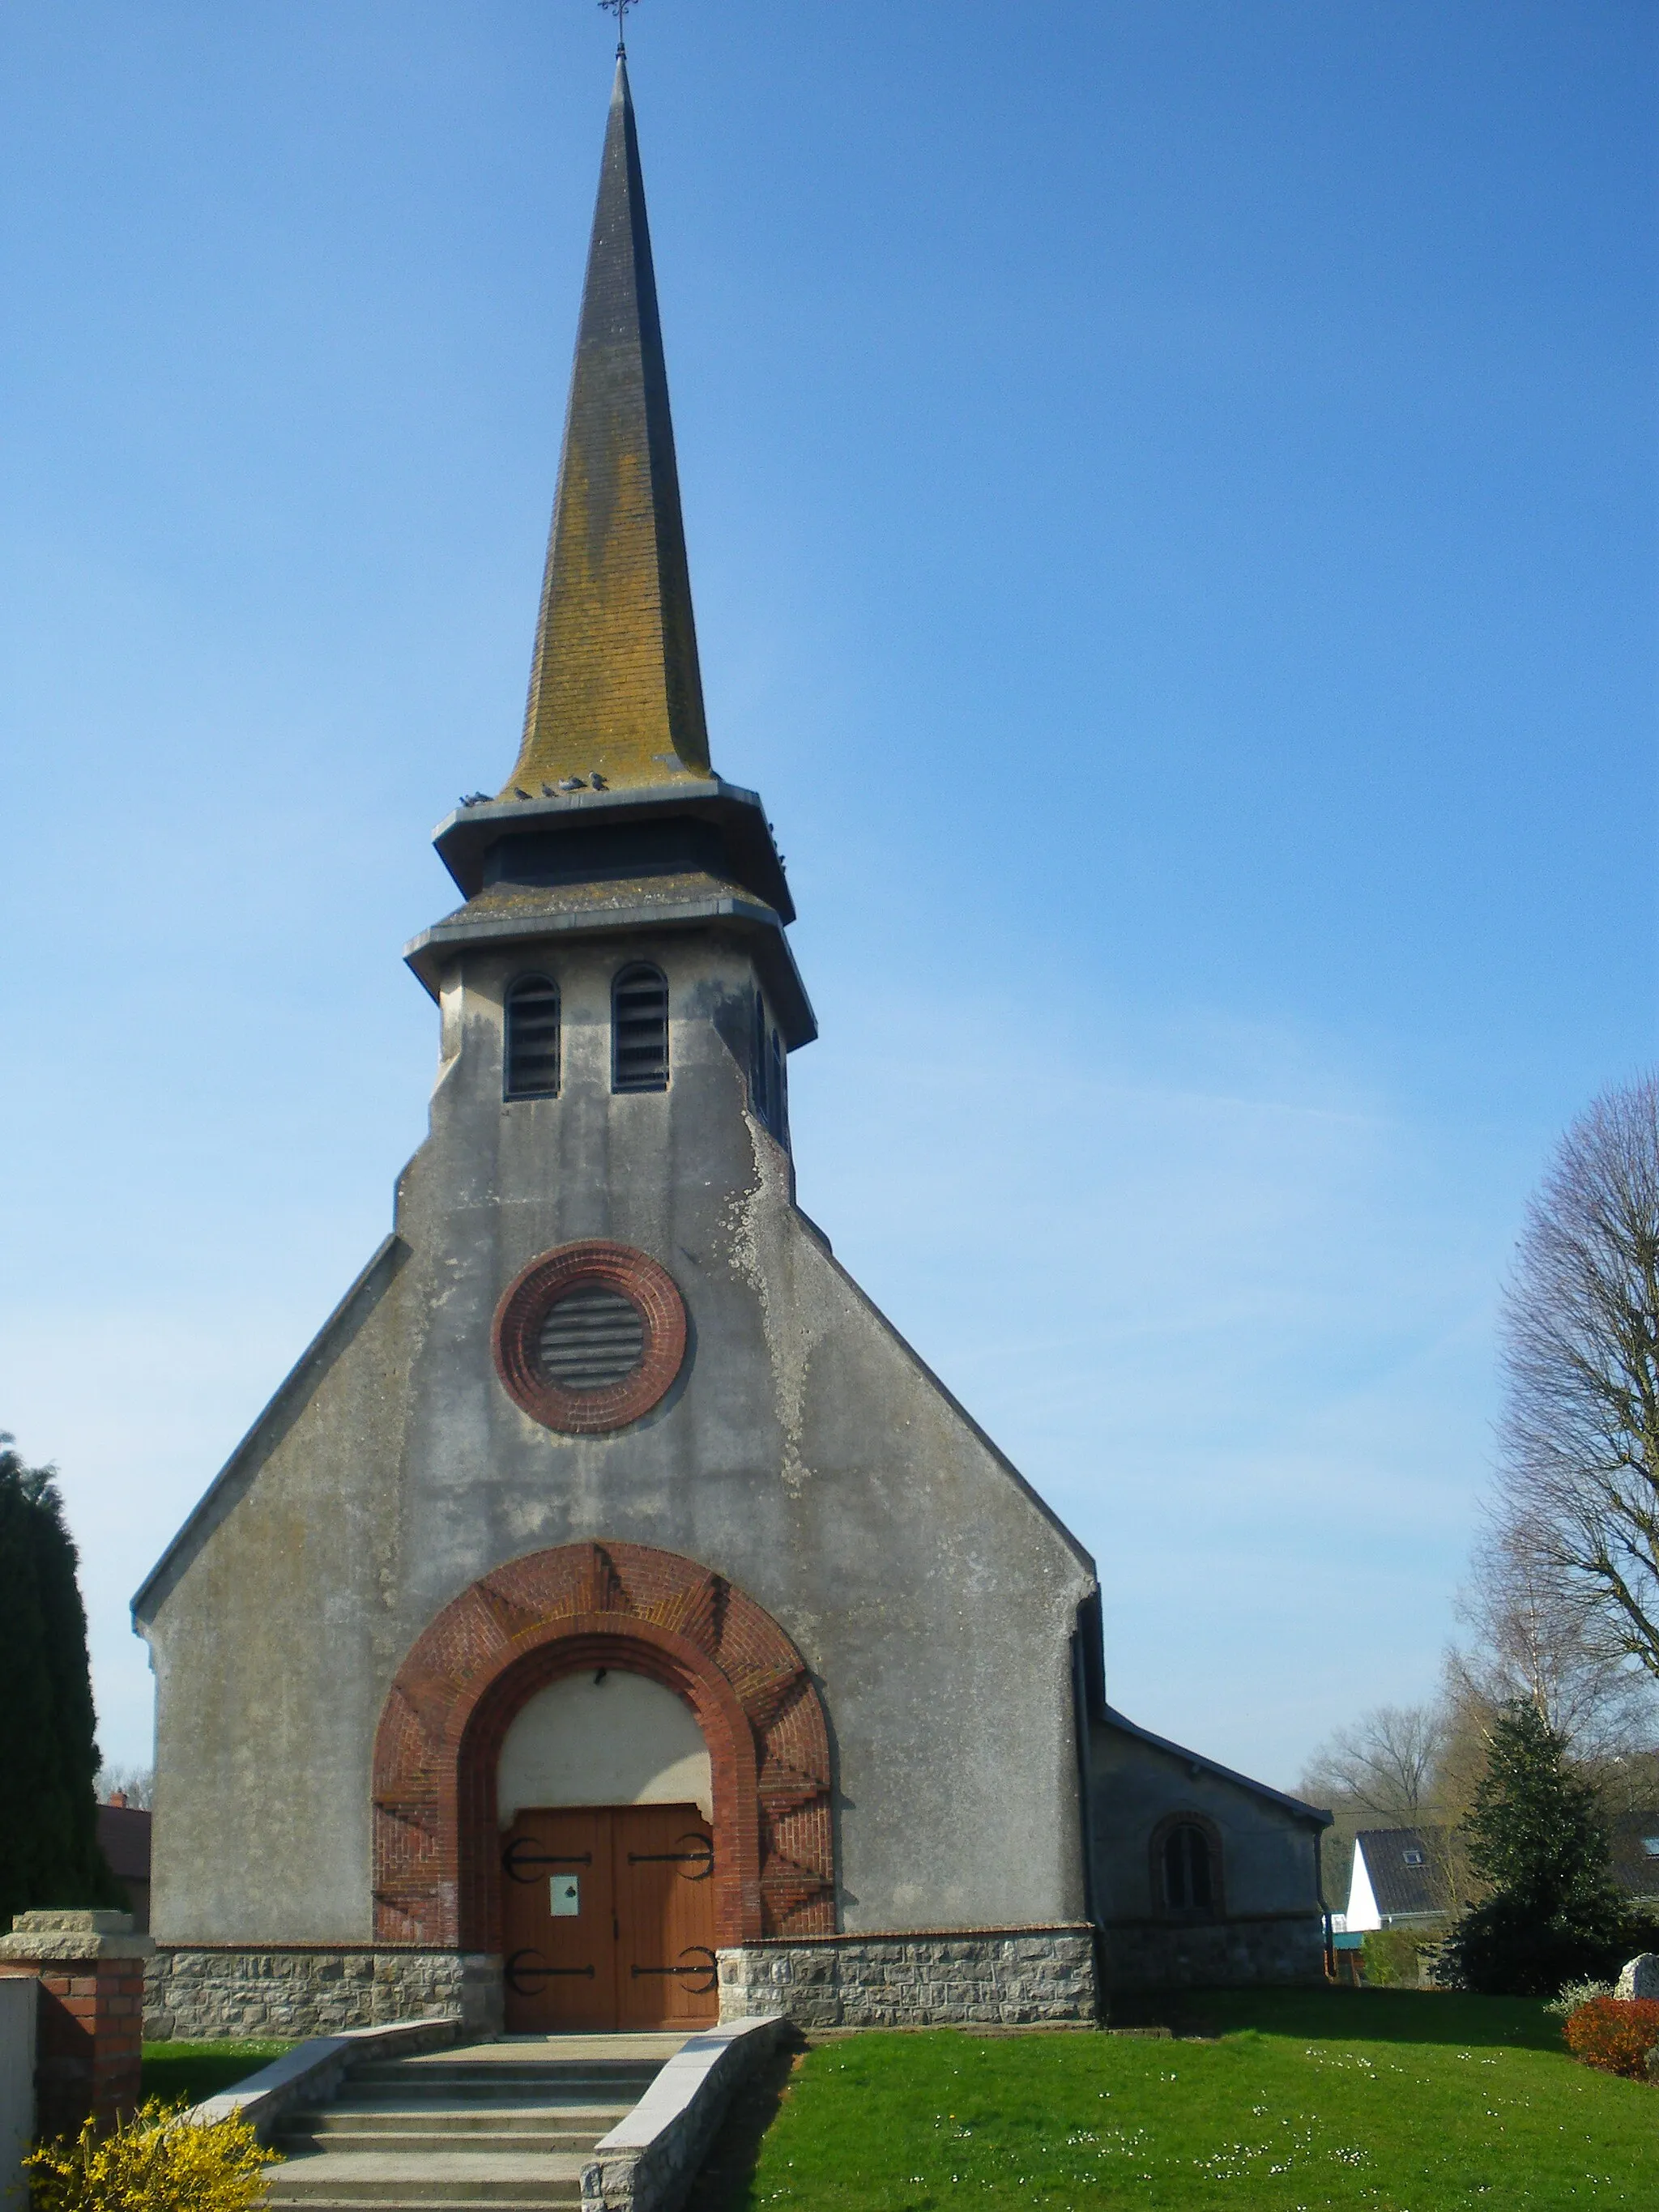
column 1234, row 1954
column 1004, row 1975
column 214, row 1991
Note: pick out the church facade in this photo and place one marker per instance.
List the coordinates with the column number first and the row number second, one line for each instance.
column 612, row 1621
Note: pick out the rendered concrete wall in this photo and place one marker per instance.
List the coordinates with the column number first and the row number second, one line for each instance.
column 805, row 1453
column 622, row 1742
column 1269, row 1929
column 19, row 2003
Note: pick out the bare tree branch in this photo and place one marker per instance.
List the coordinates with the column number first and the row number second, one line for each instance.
column 136, row 1784
column 1580, row 1436
column 1538, row 1637
column 1383, row 1764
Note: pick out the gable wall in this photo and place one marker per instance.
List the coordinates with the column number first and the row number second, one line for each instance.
column 804, row 1454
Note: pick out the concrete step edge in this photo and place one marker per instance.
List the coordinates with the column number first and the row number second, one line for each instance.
column 467, row 2086
column 390, row 2188
column 410, row 2069
column 468, row 2142
column 462, row 2126
column 561, row 2193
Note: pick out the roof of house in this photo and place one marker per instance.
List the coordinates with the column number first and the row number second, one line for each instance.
column 1400, row 1862
column 1635, row 1837
column 1401, row 1887
column 123, row 1832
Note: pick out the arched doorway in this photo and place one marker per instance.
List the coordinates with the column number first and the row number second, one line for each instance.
column 440, row 1877
column 604, row 1801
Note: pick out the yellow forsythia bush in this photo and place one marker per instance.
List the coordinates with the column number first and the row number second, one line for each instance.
column 156, row 2161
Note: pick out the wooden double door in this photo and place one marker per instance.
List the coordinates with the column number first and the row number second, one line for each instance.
column 608, row 1916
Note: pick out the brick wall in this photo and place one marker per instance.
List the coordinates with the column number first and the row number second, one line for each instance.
column 89, row 1967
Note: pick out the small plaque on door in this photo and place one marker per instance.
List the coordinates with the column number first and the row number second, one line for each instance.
column 565, row 1895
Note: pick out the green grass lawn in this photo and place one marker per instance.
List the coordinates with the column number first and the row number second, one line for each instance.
column 184, row 2073
column 1392, row 2100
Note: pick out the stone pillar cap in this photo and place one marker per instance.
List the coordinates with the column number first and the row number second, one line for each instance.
column 49, row 1937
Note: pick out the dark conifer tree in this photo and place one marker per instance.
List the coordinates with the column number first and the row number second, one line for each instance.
column 1536, row 1836
column 48, row 1851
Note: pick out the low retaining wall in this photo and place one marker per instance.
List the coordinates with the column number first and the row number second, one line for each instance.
column 208, row 1991
column 649, row 2161
column 1246, row 1952
column 1012, row 1976
column 311, row 2074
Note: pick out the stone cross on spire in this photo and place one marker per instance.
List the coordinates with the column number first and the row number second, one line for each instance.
column 615, row 687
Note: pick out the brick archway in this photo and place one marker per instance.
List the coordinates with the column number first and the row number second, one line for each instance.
column 437, row 1879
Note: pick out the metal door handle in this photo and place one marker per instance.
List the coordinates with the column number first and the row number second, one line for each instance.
column 691, row 1951
column 515, row 1968
column 518, row 1855
column 703, row 1858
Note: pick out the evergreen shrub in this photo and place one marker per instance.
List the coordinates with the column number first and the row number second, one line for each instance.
column 1536, row 1836
column 157, row 2161
column 1615, row 2034
column 49, row 1852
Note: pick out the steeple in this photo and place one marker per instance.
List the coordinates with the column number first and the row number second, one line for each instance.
column 614, row 690
column 612, row 822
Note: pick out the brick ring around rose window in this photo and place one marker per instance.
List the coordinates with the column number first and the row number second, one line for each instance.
column 589, row 1337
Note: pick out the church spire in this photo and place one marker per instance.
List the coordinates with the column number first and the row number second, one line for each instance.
column 614, row 689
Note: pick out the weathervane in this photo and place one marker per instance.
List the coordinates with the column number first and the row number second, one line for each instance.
column 619, row 8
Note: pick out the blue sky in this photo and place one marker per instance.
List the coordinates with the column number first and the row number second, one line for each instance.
column 1170, row 495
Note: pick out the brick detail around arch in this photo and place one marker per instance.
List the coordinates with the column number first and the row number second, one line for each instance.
column 437, row 1873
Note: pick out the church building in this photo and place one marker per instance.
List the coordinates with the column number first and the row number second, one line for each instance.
column 612, row 1621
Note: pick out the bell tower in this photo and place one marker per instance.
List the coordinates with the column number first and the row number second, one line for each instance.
column 613, row 826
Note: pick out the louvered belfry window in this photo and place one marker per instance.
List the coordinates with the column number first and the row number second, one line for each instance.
column 592, row 1338
column 639, row 1029
column 780, row 1092
column 757, row 1063
column 533, row 1038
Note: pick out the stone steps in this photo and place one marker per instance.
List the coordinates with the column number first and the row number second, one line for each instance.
column 501, row 2122
column 529, row 2141
column 447, row 2177
column 473, row 2086
column 504, row 2127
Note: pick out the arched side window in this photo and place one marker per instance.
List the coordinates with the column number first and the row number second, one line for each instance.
column 1188, row 1869
column 639, row 1029
column 530, row 1058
